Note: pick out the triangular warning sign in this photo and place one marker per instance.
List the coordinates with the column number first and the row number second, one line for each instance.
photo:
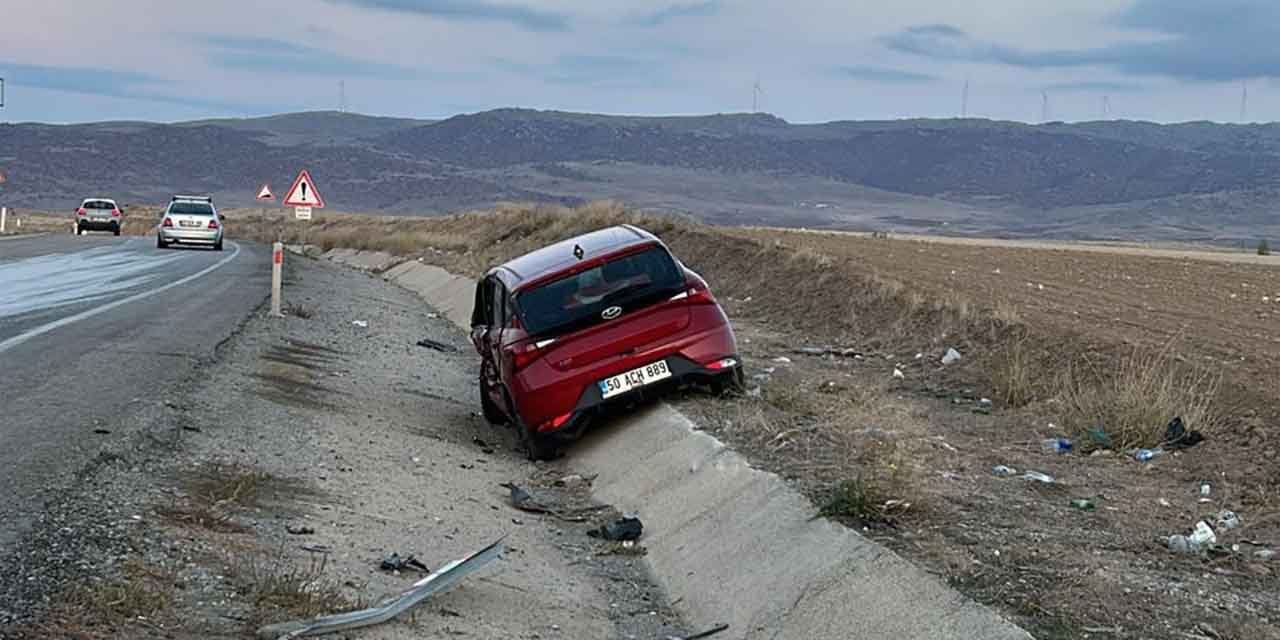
column 303, row 193
column 265, row 193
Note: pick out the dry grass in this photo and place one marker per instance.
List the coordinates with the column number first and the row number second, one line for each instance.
column 280, row 589
column 1134, row 399
column 1017, row 374
column 214, row 496
column 140, row 592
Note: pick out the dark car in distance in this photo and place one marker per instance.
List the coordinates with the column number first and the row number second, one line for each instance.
column 600, row 319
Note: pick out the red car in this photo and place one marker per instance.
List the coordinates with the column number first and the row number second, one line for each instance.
column 600, row 319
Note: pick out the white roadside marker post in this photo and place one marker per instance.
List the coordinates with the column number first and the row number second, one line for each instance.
column 277, row 262
column 4, row 213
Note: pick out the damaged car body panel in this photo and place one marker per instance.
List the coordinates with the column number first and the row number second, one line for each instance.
column 606, row 317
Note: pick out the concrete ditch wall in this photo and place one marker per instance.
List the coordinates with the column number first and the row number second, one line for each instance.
column 735, row 544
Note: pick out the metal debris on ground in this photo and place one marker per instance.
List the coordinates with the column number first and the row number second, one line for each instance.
column 620, row 530
column 446, row 577
column 524, row 501
column 395, row 562
column 438, row 346
column 703, row 634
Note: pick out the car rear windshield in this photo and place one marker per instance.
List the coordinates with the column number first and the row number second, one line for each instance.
column 191, row 208
column 579, row 300
column 99, row 204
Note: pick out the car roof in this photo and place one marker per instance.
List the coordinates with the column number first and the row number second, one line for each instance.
column 98, row 200
column 555, row 258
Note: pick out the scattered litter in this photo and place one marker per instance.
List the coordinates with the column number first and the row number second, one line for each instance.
column 102, row 432
column 395, row 562
column 438, row 346
column 517, row 521
column 299, row 529
column 1176, row 435
column 1228, row 520
column 811, row 351
column 1204, row 534
column 626, row 528
column 897, row 373
column 485, row 447
column 446, row 577
column 755, row 392
column 1164, row 503
column 704, row 634
column 1146, row 455
column 575, row 480
column 1199, row 541
column 1038, row 477
column 1265, row 555
column 951, row 357
column 919, row 355
column 1056, row 445
column 360, row 323
column 1083, row 504
column 1205, row 490
column 1100, row 437
column 1002, row 471
column 984, row 402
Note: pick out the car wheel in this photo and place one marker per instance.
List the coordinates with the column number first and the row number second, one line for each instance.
column 116, row 231
column 217, row 246
column 79, row 230
column 160, row 243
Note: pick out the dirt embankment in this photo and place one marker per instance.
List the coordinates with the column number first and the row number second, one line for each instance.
column 1103, row 348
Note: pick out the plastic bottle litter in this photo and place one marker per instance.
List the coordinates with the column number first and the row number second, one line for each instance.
column 1205, row 492
column 1145, row 455
column 1203, row 535
column 1265, row 555
column 1083, row 504
column 1038, row 477
column 951, row 357
column 1002, row 471
column 1056, row 445
column 1228, row 520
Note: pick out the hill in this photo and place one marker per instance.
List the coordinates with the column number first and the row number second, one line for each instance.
column 1114, row 179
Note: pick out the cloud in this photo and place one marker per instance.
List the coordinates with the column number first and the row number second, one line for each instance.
column 884, row 75
column 524, row 17
column 266, row 54
column 677, row 11
column 1195, row 41
column 114, row 84
column 1095, row 87
column 597, row 71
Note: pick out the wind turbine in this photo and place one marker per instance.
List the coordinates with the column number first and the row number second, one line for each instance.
column 1106, row 107
column 756, row 92
column 964, row 100
column 1244, row 100
column 1044, row 106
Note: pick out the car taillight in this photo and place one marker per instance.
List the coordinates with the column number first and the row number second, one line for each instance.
column 115, row 213
column 80, row 211
column 213, row 224
column 523, row 355
column 167, row 223
column 697, row 293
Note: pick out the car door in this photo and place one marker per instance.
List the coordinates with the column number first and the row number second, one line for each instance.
column 497, row 321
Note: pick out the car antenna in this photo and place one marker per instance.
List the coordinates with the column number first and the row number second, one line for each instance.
column 577, row 251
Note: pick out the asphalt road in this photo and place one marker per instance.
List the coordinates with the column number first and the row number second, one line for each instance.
column 91, row 326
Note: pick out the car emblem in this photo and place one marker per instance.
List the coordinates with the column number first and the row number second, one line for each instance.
column 611, row 313
column 578, row 252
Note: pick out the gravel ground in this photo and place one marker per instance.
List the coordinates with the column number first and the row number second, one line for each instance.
column 352, row 432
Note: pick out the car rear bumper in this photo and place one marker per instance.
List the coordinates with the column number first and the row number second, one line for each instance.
column 192, row 236
column 98, row 225
column 691, row 359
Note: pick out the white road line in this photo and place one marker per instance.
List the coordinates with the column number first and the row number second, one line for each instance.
column 46, row 328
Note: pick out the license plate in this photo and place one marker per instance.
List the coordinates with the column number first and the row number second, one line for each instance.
column 634, row 379
column 189, row 223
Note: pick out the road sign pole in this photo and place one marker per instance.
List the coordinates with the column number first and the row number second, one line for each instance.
column 277, row 264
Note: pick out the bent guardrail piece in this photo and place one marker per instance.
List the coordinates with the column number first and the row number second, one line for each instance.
column 442, row 579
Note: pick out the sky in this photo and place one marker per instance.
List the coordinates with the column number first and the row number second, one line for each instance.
column 813, row 60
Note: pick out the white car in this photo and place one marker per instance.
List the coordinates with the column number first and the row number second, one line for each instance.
column 99, row 214
column 191, row 220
